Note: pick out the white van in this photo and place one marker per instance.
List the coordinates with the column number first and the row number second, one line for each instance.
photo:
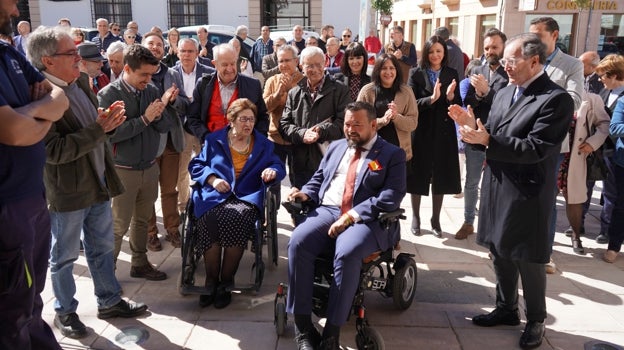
column 217, row 34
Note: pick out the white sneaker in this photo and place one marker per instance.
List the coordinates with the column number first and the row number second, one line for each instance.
column 550, row 267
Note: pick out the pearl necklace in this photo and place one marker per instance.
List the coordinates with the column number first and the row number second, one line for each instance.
column 242, row 152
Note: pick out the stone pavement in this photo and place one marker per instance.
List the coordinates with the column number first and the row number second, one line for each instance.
column 585, row 299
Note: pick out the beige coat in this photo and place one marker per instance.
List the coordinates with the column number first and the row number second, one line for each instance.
column 405, row 121
column 592, row 111
column 275, row 104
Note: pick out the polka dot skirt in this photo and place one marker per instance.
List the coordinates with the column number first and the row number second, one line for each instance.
column 229, row 224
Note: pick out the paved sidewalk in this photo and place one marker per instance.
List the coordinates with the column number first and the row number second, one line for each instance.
column 585, row 299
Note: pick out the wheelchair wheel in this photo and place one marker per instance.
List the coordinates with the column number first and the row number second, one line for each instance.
column 369, row 339
column 185, row 278
column 280, row 318
column 404, row 285
column 271, row 227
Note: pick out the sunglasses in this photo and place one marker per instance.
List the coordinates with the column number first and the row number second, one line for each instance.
column 130, row 36
column 346, row 36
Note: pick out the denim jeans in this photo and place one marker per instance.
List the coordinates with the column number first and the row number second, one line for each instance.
column 96, row 222
column 474, row 168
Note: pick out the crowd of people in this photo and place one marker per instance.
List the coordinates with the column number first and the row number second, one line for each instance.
column 94, row 128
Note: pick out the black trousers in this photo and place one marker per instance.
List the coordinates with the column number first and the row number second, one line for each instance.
column 533, row 285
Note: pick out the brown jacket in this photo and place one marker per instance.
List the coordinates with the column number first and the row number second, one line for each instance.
column 275, row 104
column 406, row 121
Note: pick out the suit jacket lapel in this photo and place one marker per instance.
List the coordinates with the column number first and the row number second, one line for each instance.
column 372, row 155
column 527, row 97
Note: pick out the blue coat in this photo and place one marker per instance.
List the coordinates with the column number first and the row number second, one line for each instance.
column 216, row 159
column 616, row 130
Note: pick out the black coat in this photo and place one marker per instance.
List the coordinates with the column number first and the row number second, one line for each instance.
column 434, row 142
column 519, row 182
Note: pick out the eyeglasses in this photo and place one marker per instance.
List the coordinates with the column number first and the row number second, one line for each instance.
column 115, row 29
column 346, row 36
column 604, row 76
column 72, row 53
column 130, row 36
column 511, row 62
column 246, row 119
column 286, row 60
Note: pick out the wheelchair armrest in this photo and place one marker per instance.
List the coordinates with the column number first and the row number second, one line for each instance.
column 391, row 216
column 296, row 207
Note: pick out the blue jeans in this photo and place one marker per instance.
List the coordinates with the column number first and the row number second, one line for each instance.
column 553, row 219
column 96, row 222
column 474, row 168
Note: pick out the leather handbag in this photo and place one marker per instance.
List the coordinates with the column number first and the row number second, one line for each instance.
column 596, row 168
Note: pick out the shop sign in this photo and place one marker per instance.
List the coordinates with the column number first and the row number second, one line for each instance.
column 570, row 5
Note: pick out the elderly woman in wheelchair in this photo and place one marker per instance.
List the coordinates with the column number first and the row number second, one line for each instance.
column 234, row 167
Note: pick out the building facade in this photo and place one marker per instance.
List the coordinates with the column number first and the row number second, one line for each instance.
column 599, row 28
column 176, row 13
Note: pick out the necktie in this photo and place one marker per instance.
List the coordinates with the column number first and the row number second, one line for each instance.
column 347, row 195
column 519, row 91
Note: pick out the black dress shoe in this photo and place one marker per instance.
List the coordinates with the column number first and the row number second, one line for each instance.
column 532, row 335
column 122, row 309
column 436, row 229
column 308, row 340
column 207, row 299
column 70, row 325
column 148, row 272
column 498, row 317
column 415, row 226
column 330, row 343
column 223, row 297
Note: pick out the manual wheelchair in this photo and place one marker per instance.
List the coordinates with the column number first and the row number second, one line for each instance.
column 265, row 233
column 393, row 277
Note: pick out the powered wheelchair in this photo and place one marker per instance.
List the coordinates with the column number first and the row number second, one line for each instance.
column 393, row 277
column 265, row 233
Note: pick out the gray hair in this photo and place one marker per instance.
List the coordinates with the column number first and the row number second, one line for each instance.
column 290, row 48
column 115, row 47
column 530, row 45
column 442, row 32
column 241, row 29
column 281, row 39
column 309, row 52
column 44, row 42
column 217, row 50
column 189, row 40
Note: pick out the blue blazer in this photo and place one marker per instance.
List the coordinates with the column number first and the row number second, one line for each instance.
column 216, row 159
column 375, row 191
column 247, row 87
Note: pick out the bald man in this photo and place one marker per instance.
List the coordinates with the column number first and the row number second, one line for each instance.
column 590, row 60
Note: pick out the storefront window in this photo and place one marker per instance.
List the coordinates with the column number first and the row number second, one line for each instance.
column 566, row 37
column 453, row 26
column 485, row 22
column 611, row 35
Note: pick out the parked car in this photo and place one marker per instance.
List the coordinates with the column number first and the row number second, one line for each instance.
column 288, row 35
column 89, row 33
column 217, row 34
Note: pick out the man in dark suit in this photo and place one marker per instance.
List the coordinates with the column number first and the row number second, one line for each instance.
column 484, row 84
column 346, row 217
column 526, row 126
column 214, row 93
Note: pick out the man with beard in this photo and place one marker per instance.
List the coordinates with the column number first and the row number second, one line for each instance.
column 484, row 83
column 345, row 217
column 171, row 145
column 29, row 105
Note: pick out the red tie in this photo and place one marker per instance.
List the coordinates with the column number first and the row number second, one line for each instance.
column 347, row 195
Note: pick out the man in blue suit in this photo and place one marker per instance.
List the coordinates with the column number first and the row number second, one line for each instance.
column 349, row 222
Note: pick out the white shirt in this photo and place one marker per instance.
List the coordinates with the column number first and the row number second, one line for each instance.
column 333, row 195
column 189, row 82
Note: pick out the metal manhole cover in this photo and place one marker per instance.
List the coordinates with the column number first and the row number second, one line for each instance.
column 132, row 335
